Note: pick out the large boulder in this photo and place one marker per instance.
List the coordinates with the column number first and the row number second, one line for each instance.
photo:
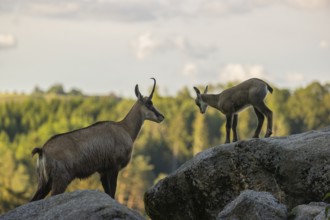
column 295, row 169
column 309, row 211
column 254, row 205
column 85, row 204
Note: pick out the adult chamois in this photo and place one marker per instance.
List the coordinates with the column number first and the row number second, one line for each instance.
column 251, row 92
column 104, row 147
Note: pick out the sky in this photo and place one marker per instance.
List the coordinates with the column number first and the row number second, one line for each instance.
column 105, row 46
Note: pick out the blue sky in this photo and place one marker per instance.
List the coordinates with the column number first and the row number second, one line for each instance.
column 103, row 46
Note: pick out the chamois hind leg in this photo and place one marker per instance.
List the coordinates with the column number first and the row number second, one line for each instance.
column 60, row 183
column 261, row 119
column 59, row 187
column 229, row 121
column 269, row 114
column 234, row 128
column 43, row 190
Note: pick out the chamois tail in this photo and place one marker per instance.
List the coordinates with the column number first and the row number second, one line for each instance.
column 44, row 183
column 41, row 165
column 37, row 150
column 270, row 89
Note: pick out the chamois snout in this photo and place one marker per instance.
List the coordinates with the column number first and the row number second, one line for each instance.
column 202, row 105
column 202, row 111
column 160, row 118
column 153, row 114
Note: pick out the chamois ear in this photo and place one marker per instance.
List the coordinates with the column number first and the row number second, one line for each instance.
column 137, row 92
column 197, row 90
column 205, row 91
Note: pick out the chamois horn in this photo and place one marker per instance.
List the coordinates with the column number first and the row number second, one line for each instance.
column 153, row 89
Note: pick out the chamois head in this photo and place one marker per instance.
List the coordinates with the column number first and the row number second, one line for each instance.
column 149, row 111
column 199, row 101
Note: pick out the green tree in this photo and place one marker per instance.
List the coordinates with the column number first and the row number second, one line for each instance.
column 134, row 181
column 308, row 109
column 75, row 92
column 56, row 89
column 200, row 134
column 278, row 104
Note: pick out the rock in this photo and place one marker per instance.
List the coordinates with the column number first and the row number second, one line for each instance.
column 86, row 204
column 295, row 169
column 254, row 205
column 322, row 216
column 307, row 212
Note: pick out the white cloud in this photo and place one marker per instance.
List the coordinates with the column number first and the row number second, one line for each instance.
column 60, row 8
column 215, row 7
column 324, row 44
column 145, row 45
column 7, row 41
column 295, row 77
column 190, row 70
column 309, row 3
column 148, row 44
column 239, row 72
column 147, row 10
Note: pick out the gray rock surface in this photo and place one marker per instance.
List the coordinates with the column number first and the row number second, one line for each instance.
column 322, row 216
column 254, row 205
column 308, row 211
column 86, row 204
column 295, row 169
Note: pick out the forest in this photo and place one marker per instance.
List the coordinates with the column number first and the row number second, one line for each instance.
column 29, row 120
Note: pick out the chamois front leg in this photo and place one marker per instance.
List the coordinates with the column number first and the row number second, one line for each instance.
column 113, row 183
column 109, row 182
column 234, row 128
column 229, row 121
column 105, row 180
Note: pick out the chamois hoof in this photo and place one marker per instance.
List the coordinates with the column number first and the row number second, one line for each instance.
column 268, row 134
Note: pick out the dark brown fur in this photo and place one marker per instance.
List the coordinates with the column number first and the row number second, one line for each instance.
column 104, row 147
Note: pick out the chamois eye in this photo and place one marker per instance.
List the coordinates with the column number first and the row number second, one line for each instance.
column 149, row 102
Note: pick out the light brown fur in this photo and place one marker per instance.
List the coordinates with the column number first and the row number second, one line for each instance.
column 231, row 101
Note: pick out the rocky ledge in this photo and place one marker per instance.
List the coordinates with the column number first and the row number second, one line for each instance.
column 86, row 204
column 294, row 169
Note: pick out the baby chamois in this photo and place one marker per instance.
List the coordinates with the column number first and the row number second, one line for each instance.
column 104, row 147
column 251, row 92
